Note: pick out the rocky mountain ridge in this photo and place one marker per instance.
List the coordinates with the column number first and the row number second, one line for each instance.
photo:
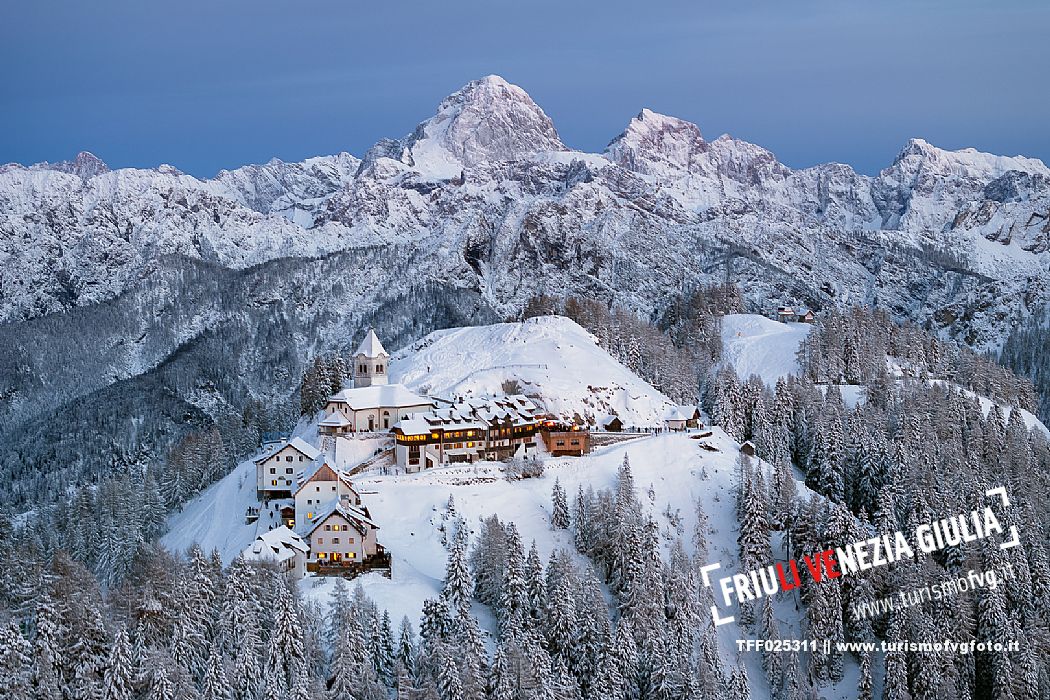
column 151, row 284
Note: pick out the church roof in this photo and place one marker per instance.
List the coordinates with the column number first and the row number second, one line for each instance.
column 380, row 396
column 371, row 347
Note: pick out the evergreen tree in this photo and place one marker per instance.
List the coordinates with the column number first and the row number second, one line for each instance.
column 559, row 507
column 215, row 685
column 160, row 686
column 15, row 669
column 117, row 684
column 456, row 591
column 47, row 650
column 450, row 687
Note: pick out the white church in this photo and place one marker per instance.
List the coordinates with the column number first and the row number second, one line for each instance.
column 372, row 404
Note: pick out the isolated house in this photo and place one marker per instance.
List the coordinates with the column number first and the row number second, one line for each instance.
column 806, row 316
column 277, row 466
column 565, row 441
column 748, row 448
column 785, row 314
column 281, row 546
column 691, row 414
column 611, row 424
column 675, row 419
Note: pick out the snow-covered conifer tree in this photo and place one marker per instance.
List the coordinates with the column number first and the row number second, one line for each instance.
column 559, row 507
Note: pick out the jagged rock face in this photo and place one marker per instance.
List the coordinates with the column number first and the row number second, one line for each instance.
column 488, row 188
column 487, row 120
column 297, row 191
column 654, row 144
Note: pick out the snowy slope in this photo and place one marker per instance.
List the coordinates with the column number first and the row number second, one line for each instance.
column 759, row 345
column 410, row 510
column 551, row 358
column 214, row 519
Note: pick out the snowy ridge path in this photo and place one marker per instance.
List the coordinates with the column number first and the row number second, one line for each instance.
column 759, row 345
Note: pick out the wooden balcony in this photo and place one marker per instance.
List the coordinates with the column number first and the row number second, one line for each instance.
column 351, row 568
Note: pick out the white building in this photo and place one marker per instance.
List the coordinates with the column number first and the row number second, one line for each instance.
column 319, row 490
column 340, row 536
column 371, row 362
column 276, row 468
column 281, row 546
column 675, row 419
column 372, row 404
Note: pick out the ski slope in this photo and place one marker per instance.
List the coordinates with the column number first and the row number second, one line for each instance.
column 551, row 358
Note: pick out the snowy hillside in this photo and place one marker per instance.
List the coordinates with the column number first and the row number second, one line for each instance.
column 411, row 511
column 477, row 211
column 551, row 359
column 759, row 345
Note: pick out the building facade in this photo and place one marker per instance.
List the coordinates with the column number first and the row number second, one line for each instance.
column 319, row 491
column 278, row 467
column 466, row 430
column 342, row 535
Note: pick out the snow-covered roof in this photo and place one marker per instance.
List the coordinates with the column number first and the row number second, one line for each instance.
column 412, row 426
column 381, row 396
column 296, row 443
column 311, row 471
column 335, row 419
column 371, row 347
column 471, row 414
column 279, row 544
column 675, row 414
column 688, row 410
column 606, row 420
column 352, row 514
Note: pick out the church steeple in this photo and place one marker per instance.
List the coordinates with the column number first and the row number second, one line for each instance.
column 371, row 362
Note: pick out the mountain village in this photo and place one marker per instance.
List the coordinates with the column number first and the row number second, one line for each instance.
column 310, row 518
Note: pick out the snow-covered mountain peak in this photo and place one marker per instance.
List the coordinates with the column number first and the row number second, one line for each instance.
column 966, row 162
column 486, row 120
column 652, row 143
column 85, row 165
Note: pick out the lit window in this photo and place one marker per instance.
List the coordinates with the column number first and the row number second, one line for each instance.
column 273, row 483
column 309, row 515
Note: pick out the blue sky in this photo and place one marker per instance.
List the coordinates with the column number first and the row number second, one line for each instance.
column 210, row 84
